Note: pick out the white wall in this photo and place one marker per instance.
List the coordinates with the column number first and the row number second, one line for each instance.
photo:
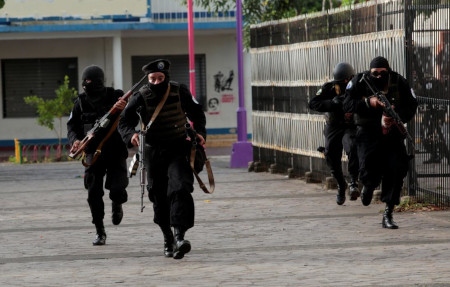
column 221, row 56
column 72, row 8
column 220, row 51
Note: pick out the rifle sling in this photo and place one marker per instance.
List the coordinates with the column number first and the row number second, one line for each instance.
column 158, row 108
column 207, row 163
column 212, row 184
column 88, row 138
column 98, row 151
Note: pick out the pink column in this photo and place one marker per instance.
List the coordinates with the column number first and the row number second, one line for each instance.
column 191, row 48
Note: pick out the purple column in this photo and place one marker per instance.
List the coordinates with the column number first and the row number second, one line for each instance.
column 242, row 152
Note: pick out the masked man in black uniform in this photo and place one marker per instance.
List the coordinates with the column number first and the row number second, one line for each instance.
column 339, row 130
column 91, row 105
column 169, row 175
column 380, row 142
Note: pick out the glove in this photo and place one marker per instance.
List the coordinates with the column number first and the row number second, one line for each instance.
column 336, row 102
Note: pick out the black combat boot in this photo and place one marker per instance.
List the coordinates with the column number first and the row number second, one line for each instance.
column 340, row 196
column 342, row 186
column 168, row 240
column 353, row 189
column 181, row 246
column 117, row 213
column 388, row 221
column 366, row 195
column 100, row 237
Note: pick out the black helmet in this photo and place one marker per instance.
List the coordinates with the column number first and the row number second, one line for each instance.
column 343, row 71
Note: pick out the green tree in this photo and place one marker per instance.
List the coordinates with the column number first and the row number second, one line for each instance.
column 352, row 2
column 2, row 3
column 58, row 107
column 257, row 11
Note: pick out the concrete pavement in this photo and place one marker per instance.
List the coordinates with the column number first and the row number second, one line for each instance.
column 257, row 229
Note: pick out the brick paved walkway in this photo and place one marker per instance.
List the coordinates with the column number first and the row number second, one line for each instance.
column 257, row 229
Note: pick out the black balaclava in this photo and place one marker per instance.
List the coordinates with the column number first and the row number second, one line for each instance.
column 95, row 89
column 160, row 88
column 160, row 65
column 381, row 82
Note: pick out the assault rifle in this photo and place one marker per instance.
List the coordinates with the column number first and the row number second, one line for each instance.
column 102, row 129
column 389, row 111
column 138, row 161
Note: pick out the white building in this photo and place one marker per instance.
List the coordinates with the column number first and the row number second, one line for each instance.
column 43, row 40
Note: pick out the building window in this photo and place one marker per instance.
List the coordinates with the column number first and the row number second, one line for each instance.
column 179, row 71
column 27, row 77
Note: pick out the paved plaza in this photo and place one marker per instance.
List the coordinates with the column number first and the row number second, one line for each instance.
column 256, row 229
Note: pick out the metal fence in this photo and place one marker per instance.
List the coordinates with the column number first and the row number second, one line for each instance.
column 293, row 57
column 172, row 11
column 34, row 153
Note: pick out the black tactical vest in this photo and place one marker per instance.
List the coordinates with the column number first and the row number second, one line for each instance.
column 169, row 125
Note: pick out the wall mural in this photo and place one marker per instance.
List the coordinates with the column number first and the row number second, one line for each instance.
column 213, row 106
column 222, row 83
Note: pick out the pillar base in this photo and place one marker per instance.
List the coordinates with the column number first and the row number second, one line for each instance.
column 241, row 155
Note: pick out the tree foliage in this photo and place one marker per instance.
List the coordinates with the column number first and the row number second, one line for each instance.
column 58, row 107
column 257, row 11
column 427, row 7
column 351, row 2
column 2, row 3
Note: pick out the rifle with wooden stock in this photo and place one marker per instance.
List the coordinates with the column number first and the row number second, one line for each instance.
column 102, row 129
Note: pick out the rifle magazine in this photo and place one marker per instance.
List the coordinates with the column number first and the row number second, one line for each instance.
column 134, row 165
